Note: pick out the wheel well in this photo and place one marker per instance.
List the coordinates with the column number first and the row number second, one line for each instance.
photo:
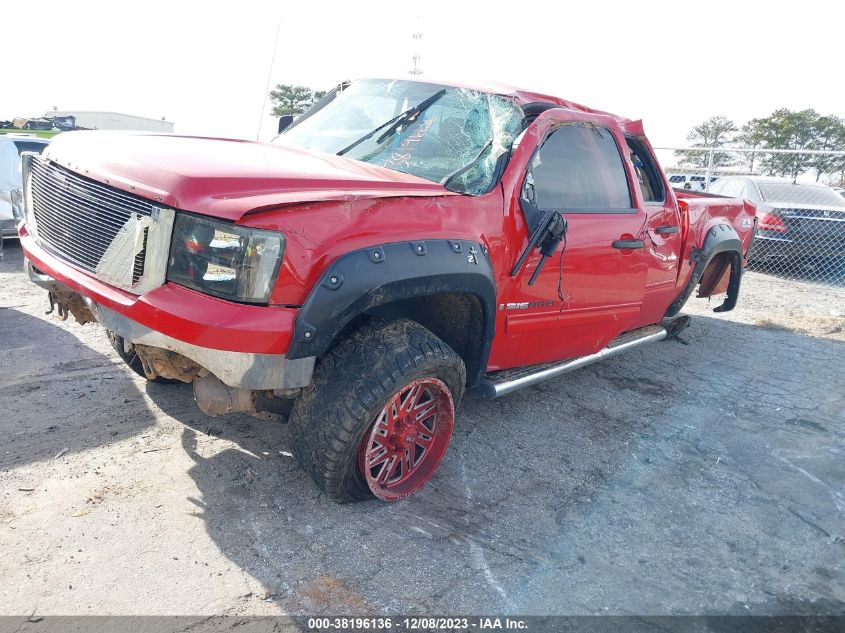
column 456, row 318
column 721, row 251
column 715, row 277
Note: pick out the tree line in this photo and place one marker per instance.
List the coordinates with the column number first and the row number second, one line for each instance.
column 783, row 129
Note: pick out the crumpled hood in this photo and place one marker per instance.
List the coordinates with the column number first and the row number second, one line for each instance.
column 226, row 178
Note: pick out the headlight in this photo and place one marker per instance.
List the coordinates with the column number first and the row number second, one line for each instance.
column 224, row 260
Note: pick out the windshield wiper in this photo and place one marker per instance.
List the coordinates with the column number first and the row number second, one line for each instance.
column 395, row 122
column 462, row 170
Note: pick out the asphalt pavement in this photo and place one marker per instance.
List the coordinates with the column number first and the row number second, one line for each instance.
column 704, row 476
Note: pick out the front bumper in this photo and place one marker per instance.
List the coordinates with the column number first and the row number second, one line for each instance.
column 244, row 346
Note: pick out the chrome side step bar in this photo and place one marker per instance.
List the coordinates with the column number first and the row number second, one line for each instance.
column 501, row 383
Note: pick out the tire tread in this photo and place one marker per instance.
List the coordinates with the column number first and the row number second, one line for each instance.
column 350, row 385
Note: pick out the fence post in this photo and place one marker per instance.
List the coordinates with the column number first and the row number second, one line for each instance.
column 709, row 170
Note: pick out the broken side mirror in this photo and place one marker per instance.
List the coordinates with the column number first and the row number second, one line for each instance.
column 284, row 122
column 549, row 229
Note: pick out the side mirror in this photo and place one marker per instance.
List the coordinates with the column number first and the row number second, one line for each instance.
column 284, row 122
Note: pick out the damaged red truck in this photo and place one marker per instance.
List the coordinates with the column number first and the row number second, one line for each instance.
column 399, row 243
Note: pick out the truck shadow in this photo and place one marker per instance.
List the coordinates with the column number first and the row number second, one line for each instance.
column 607, row 487
column 57, row 395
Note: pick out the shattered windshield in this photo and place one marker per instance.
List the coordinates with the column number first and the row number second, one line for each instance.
column 456, row 139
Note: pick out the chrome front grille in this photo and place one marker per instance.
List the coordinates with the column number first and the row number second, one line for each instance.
column 77, row 218
column 122, row 239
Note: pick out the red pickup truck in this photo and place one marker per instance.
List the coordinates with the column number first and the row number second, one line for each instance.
column 399, row 243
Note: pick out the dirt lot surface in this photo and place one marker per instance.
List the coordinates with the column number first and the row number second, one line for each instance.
column 702, row 476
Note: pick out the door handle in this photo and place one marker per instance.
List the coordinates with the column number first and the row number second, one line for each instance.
column 628, row 244
column 667, row 230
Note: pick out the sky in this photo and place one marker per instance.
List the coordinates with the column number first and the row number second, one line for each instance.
column 205, row 65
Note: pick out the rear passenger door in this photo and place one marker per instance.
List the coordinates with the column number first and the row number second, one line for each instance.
column 662, row 234
column 591, row 291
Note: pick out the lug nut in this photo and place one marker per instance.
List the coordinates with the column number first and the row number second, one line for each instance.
column 333, row 279
column 308, row 335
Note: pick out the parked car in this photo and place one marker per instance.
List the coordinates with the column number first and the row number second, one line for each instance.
column 796, row 221
column 384, row 256
column 11, row 200
column 690, row 182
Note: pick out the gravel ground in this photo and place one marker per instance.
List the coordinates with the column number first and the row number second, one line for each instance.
column 696, row 476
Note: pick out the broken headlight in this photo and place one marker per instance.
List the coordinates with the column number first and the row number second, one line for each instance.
column 224, row 260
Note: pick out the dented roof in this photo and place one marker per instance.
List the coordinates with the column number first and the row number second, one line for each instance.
column 520, row 95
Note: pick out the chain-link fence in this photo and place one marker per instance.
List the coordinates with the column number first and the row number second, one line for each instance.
column 800, row 197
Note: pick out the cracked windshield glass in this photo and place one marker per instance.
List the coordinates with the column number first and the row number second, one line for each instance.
column 452, row 136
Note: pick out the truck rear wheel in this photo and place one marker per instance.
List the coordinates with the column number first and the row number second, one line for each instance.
column 378, row 416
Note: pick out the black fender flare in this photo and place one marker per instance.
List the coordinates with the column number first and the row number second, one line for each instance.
column 721, row 238
column 378, row 275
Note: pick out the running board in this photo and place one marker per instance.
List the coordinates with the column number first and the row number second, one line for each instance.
column 507, row 381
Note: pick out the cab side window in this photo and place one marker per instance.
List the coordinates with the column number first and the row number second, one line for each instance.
column 648, row 176
column 579, row 169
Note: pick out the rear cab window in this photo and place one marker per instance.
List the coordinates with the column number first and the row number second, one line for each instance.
column 645, row 168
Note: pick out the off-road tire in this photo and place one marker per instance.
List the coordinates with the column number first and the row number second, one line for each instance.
column 351, row 385
column 132, row 360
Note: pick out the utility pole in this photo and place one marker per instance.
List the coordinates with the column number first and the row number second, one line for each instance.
column 269, row 79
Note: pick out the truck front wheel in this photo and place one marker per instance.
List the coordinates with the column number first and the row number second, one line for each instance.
column 131, row 358
column 378, row 416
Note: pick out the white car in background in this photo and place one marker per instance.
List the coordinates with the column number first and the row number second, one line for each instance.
column 11, row 198
column 690, row 182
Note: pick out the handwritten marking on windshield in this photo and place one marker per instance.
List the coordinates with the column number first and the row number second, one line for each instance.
column 403, row 159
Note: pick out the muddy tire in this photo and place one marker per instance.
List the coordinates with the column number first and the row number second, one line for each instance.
column 378, row 415
column 131, row 359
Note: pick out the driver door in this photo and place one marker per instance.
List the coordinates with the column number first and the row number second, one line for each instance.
column 591, row 289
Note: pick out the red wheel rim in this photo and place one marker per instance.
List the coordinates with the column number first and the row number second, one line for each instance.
column 407, row 440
